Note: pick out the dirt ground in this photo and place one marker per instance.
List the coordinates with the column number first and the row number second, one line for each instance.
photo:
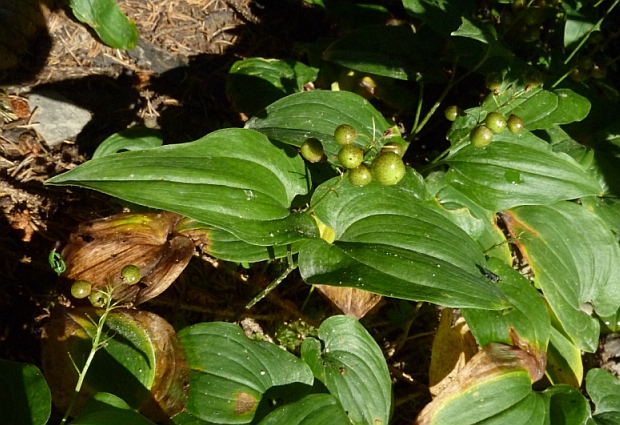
column 173, row 81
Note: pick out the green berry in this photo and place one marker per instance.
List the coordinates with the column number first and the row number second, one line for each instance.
column 97, row 299
column 495, row 122
column 532, row 78
column 350, row 156
column 453, row 112
column 493, row 81
column 388, row 168
column 397, row 148
column 312, row 150
column 596, row 37
column 586, row 62
column 519, row 4
column 598, row 71
column 360, row 176
column 81, row 289
column 345, row 134
column 131, row 274
column 515, row 124
column 480, row 136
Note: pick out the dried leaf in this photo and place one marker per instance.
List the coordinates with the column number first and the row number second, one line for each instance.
column 453, row 347
column 351, row 301
column 98, row 251
column 142, row 361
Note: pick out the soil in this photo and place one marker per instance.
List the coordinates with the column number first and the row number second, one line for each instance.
column 173, row 81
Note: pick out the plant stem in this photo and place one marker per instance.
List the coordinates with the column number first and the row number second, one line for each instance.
column 596, row 27
column 291, row 266
column 96, row 345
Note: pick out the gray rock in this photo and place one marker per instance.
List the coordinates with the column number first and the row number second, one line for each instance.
column 56, row 118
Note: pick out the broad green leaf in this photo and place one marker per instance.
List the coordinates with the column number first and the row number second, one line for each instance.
column 564, row 365
column 314, row 409
column 471, row 217
column 604, row 391
column 566, row 406
column 316, row 114
column 607, row 208
column 391, row 51
column 351, row 365
column 108, row 21
column 532, row 410
column 517, row 169
column 579, row 22
column 571, row 107
column 108, row 409
column 231, row 374
column 574, row 257
column 254, row 83
column 129, row 140
column 234, row 179
column 142, row 361
column 529, row 318
column 25, row 398
column 491, row 384
column 389, row 242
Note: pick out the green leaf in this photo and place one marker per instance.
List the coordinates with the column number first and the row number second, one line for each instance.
column 532, row 410
column 517, row 169
column 567, row 406
column 141, row 362
column 391, row 51
column 564, row 365
column 314, row 409
column 231, row 374
column 108, row 409
column 351, row 365
column 444, row 16
column 529, row 318
column 604, row 391
column 132, row 139
column 389, row 242
column 254, row 83
column 234, row 179
column 478, row 222
column 574, row 258
column 571, row 107
column 578, row 24
column 108, row 21
column 316, row 114
column 25, row 398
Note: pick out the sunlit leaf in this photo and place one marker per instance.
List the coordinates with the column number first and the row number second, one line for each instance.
column 388, row 242
column 574, row 257
column 351, row 365
column 604, row 391
column 231, row 374
column 233, row 179
column 108, row 409
column 109, row 22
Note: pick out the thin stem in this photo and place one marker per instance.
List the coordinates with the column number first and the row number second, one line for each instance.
column 418, row 111
column 596, row 27
column 96, row 345
column 291, row 266
column 451, row 84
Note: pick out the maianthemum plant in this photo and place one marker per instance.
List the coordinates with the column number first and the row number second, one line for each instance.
column 316, row 178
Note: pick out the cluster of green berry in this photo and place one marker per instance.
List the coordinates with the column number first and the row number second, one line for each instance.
column 495, row 122
column 387, row 167
column 592, row 64
column 130, row 275
column 526, row 20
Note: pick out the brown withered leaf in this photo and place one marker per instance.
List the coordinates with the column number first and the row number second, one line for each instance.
column 159, row 391
column 98, row 251
column 453, row 347
column 351, row 301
